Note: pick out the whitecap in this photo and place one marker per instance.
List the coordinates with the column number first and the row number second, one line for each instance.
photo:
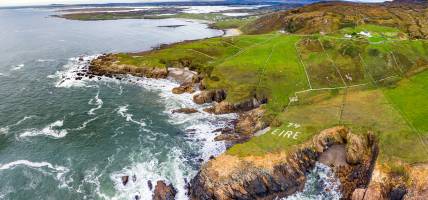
column 95, row 101
column 17, row 67
column 50, row 131
column 123, row 111
column 84, row 124
column 44, row 167
column 45, row 60
column 6, row 129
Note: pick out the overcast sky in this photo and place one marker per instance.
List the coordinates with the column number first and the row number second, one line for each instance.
column 46, row 2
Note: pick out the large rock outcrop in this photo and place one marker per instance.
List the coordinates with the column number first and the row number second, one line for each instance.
column 225, row 107
column 209, row 96
column 164, row 191
column 275, row 174
column 247, row 124
column 409, row 184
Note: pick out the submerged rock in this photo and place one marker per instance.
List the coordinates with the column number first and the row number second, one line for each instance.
column 185, row 110
column 149, row 184
column 164, row 191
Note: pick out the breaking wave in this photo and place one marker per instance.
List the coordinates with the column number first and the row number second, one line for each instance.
column 200, row 128
column 17, row 67
column 141, row 174
column 123, row 111
column 83, row 126
column 95, row 101
column 50, row 130
column 71, row 75
column 45, row 167
column 320, row 184
column 5, row 130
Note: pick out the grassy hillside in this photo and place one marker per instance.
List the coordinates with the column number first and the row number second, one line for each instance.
column 329, row 17
column 363, row 83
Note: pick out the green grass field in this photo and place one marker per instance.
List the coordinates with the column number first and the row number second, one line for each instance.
column 245, row 66
column 410, row 97
column 275, row 66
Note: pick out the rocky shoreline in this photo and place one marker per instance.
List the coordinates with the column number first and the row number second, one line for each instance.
column 277, row 174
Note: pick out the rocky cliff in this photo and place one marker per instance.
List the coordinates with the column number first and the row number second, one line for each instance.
column 280, row 174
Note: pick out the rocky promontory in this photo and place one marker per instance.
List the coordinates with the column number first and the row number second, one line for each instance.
column 282, row 173
column 107, row 65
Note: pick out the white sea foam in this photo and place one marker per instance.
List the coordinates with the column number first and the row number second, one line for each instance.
column 172, row 171
column 45, row 60
column 123, row 111
column 67, row 77
column 320, row 184
column 5, row 130
column 17, row 67
column 44, row 167
column 95, row 101
column 83, row 126
column 50, row 131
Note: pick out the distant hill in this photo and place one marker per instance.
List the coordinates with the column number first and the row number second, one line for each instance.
column 408, row 15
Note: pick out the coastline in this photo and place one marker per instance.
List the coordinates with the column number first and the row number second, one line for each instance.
column 185, row 77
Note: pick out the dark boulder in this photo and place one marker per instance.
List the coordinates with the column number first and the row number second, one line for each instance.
column 164, row 191
column 125, row 180
column 150, row 185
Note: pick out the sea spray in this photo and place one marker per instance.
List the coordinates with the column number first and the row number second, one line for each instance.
column 320, row 184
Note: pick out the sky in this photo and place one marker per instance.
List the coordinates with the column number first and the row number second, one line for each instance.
column 46, row 2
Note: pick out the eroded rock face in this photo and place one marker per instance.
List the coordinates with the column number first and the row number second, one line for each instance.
column 418, row 189
column 245, row 127
column 374, row 192
column 226, row 107
column 208, row 96
column 164, row 191
column 223, row 107
column 269, row 176
column 184, row 88
column 251, row 122
column 355, row 149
